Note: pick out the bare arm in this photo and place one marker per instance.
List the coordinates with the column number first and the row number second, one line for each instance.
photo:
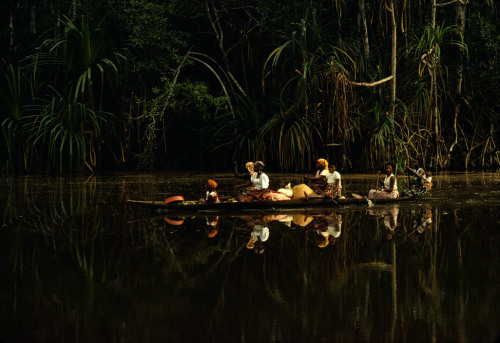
column 321, row 177
column 239, row 175
column 248, row 184
column 411, row 171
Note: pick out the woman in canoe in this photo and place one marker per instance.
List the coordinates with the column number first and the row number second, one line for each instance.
column 389, row 185
column 387, row 188
column 320, row 184
column 417, row 185
column 334, row 188
column 258, row 187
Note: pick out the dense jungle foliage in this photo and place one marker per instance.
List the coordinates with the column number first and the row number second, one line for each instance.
column 89, row 85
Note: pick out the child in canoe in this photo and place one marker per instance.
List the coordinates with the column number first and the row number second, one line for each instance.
column 211, row 196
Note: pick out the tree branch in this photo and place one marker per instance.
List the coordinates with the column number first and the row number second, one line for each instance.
column 372, row 84
column 449, row 3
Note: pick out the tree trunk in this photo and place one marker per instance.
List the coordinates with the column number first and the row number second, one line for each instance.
column 434, row 94
column 393, row 57
column 73, row 10
column 33, row 17
column 364, row 29
column 11, row 25
column 460, row 22
column 219, row 35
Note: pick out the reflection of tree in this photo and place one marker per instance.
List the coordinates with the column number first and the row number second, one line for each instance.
column 75, row 267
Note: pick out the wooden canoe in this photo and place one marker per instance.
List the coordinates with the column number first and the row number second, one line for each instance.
column 320, row 202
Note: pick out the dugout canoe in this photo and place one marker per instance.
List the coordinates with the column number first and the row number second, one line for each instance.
column 314, row 202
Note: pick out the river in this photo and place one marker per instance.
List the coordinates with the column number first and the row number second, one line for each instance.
column 81, row 265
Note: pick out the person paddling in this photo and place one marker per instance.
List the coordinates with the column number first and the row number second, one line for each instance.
column 417, row 186
column 320, row 184
column 387, row 188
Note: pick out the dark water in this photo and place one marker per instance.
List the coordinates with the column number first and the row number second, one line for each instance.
column 79, row 265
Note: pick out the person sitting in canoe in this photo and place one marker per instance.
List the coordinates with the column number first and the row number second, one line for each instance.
column 387, row 188
column 211, row 196
column 259, row 185
column 334, row 188
column 417, row 185
column 320, row 184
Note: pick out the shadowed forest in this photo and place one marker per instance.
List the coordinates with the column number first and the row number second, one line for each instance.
column 93, row 85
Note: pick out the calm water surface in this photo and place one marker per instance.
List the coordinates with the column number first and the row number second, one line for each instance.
column 80, row 265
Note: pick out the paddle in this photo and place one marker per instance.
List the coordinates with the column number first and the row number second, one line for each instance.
column 408, row 172
column 328, row 196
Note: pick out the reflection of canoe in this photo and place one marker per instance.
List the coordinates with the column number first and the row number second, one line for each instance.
column 261, row 205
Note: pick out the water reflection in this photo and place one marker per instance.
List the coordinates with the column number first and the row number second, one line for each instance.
column 422, row 221
column 387, row 219
column 80, row 265
column 256, row 232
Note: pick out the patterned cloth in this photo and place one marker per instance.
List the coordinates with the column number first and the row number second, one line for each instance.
column 331, row 187
column 415, row 190
column 376, row 194
column 251, row 195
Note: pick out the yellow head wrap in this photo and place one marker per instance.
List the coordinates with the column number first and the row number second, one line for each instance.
column 323, row 162
column 212, row 184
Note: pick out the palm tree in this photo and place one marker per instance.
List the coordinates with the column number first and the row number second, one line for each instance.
column 428, row 50
column 79, row 63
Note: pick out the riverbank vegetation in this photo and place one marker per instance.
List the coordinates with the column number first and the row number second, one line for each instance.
column 89, row 85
